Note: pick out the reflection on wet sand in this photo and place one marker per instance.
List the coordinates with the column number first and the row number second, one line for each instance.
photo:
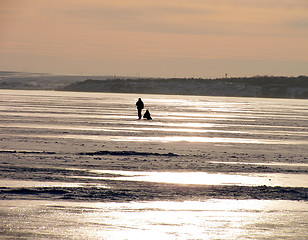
column 169, row 139
column 210, row 219
column 203, row 178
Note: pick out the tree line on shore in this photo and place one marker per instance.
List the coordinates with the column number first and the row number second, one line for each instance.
column 259, row 86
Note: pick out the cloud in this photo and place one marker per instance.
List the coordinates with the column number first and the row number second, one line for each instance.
column 205, row 17
column 200, row 17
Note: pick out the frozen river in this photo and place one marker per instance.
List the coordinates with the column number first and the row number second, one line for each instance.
column 81, row 166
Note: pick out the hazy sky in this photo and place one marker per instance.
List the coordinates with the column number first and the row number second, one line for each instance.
column 191, row 38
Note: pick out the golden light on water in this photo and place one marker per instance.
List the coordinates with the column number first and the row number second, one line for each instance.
column 209, row 219
column 170, row 139
column 203, row 178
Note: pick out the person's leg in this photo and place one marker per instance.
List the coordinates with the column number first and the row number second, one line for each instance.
column 139, row 113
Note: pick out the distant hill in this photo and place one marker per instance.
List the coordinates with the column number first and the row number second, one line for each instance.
column 260, row 86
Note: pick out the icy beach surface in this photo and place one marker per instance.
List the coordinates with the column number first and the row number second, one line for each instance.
column 81, row 166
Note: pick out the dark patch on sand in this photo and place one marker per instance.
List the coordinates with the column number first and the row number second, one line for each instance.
column 128, row 153
column 27, row 152
column 130, row 191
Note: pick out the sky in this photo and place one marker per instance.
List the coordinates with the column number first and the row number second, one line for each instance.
column 155, row 38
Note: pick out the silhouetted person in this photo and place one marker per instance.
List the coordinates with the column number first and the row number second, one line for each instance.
column 140, row 106
column 147, row 115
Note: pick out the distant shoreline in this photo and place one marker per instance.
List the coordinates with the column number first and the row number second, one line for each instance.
column 258, row 86
column 268, row 87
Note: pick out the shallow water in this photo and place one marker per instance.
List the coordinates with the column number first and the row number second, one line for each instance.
column 203, row 178
column 46, row 192
column 211, row 219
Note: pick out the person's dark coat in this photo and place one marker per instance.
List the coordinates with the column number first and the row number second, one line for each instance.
column 140, row 106
column 147, row 115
